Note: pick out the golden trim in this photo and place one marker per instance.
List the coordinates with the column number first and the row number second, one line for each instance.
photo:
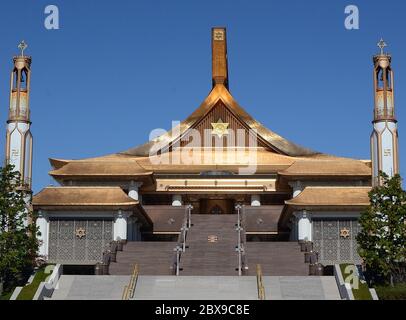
column 262, row 185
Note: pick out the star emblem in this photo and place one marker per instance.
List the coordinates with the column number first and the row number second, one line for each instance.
column 80, row 233
column 220, row 128
column 344, row 233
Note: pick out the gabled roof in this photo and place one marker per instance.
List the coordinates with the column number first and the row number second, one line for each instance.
column 100, row 167
column 274, row 153
column 87, row 198
column 220, row 93
column 327, row 167
column 344, row 199
column 331, row 196
column 83, row 196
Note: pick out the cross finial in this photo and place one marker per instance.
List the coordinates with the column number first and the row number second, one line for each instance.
column 22, row 46
column 382, row 44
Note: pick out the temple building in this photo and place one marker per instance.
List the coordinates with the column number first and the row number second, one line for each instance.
column 217, row 181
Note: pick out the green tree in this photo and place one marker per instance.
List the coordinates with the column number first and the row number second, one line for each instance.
column 382, row 240
column 18, row 241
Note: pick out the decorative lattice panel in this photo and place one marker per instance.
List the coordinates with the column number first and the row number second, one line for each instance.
column 335, row 240
column 79, row 240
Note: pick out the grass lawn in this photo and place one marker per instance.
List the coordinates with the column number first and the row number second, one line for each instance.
column 28, row 292
column 398, row 292
column 362, row 293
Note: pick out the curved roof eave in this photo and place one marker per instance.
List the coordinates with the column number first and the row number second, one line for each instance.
column 220, row 92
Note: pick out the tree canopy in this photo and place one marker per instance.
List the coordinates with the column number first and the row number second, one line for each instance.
column 18, row 236
column 382, row 240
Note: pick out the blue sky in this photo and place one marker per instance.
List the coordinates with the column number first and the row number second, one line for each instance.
column 115, row 70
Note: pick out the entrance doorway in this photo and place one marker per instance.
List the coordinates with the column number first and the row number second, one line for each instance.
column 217, row 206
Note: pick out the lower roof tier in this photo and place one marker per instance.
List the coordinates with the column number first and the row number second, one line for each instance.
column 241, row 162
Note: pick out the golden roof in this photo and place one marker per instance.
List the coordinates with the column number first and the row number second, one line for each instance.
column 331, row 196
column 265, row 161
column 220, row 93
column 333, row 167
column 218, row 160
column 83, row 196
column 278, row 154
column 102, row 167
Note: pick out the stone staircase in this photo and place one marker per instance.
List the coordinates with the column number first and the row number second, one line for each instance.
column 217, row 257
column 205, row 258
column 276, row 259
column 152, row 257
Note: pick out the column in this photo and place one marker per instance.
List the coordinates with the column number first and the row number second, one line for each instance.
column 134, row 190
column 177, row 200
column 43, row 225
column 304, row 225
column 120, row 226
column 255, row 200
column 133, row 229
column 137, row 228
column 297, row 187
column 293, row 229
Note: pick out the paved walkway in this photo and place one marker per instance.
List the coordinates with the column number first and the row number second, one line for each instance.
column 301, row 288
column 196, row 288
column 84, row 287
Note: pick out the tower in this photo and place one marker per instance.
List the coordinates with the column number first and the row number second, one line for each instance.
column 219, row 56
column 18, row 137
column 384, row 137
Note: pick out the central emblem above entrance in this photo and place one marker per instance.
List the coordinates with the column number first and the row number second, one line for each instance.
column 220, row 128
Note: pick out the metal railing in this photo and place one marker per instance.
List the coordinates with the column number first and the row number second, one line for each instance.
column 129, row 289
column 109, row 255
column 260, row 284
column 241, row 240
column 181, row 243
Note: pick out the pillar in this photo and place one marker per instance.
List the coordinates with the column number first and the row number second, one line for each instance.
column 177, row 200
column 43, row 226
column 133, row 190
column 297, row 187
column 304, row 225
column 120, row 226
column 133, row 229
column 255, row 200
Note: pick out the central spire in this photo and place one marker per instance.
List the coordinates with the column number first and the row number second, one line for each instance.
column 219, row 56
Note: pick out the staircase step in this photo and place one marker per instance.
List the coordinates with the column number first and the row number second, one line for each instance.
column 152, row 257
column 276, row 258
column 211, row 258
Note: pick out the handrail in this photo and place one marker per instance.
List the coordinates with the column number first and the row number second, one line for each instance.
column 125, row 293
column 129, row 289
column 241, row 240
column 181, row 243
column 260, row 284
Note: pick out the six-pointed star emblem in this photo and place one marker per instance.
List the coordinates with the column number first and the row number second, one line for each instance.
column 220, row 128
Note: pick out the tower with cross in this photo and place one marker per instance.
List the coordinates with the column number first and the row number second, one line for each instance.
column 18, row 135
column 384, row 137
